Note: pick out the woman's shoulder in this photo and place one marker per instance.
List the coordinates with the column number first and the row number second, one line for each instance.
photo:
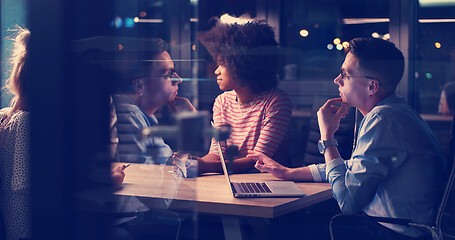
column 276, row 95
column 275, row 92
column 4, row 111
column 226, row 96
column 280, row 92
column 15, row 120
column 229, row 93
column 18, row 114
column 20, row 117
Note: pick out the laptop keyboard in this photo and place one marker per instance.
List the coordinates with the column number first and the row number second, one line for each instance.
column 253, row 187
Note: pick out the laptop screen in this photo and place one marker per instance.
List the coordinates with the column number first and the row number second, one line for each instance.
column 223, row 164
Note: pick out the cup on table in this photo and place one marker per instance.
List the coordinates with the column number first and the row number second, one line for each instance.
column 185, row 165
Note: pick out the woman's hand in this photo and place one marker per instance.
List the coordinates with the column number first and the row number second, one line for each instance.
column 266, row 164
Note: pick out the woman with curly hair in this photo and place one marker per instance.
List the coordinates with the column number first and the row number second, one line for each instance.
column 256, row 110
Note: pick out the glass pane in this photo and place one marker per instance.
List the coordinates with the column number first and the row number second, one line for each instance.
column 174, row 22
column 435, row 67
column 315, row 34
column 110, row 44
column 435, row 53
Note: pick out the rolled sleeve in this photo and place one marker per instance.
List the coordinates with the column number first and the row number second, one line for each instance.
column 318, row 172
column 334, row 164
column 315, row 173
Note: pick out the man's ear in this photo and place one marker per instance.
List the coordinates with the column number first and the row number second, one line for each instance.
column 138, row 85
column 374, row 86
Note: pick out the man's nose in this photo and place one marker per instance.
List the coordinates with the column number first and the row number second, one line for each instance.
column 337, row 80
column 176, row 79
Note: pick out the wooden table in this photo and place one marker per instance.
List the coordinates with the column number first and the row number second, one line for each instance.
column 211, row 194
column 436, row 118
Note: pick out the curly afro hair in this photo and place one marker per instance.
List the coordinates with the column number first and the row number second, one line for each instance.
column 249, row 52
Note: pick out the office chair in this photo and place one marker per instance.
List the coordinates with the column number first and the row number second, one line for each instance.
column 444, row 225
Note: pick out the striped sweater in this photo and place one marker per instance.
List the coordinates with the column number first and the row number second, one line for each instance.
column 261, row 125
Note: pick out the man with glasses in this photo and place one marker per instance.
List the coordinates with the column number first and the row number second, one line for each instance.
column 396, row 168
column 148, row 83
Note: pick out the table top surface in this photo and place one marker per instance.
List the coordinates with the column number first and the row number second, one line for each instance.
column 436, row 117
column 211, row 193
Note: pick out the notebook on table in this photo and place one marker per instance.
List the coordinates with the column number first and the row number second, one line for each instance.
column 260, row 189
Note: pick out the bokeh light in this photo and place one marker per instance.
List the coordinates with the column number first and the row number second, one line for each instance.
column 129, row 22
column 329, row 46
column 336, row 41
column 304, row 33
column 118, row 22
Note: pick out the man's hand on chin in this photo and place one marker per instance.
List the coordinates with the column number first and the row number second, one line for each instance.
column 180, row 105
column 329, row 116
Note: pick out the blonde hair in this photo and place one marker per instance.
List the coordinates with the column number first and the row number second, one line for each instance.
column 15, row 84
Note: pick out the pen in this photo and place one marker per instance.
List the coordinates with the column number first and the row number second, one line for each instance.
column 126, row 165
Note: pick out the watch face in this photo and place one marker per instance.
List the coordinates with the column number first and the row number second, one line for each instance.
column 321, row 147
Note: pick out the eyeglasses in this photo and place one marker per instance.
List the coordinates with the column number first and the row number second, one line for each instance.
column 168, row 75
column 344, row 76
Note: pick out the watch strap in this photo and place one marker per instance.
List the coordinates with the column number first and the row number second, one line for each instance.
column 324, row 144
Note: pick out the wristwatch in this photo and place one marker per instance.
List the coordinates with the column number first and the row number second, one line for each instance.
column 323, row 144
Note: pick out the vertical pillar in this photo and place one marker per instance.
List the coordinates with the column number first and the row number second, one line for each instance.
column 180, row 43
column 270, row 10
column 402, row 28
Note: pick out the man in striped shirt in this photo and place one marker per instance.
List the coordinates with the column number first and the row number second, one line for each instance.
column 256, row 110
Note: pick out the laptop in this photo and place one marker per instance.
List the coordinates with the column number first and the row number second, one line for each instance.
column 260, row 189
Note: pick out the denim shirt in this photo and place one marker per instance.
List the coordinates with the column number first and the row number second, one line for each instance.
column 131, row 147
column 396, row 169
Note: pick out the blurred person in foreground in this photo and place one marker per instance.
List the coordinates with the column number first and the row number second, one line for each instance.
column 148, row 83
column 397, row 166
column 15, row 158
column 146, row 80
column 257, row 112
column 15, row 165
